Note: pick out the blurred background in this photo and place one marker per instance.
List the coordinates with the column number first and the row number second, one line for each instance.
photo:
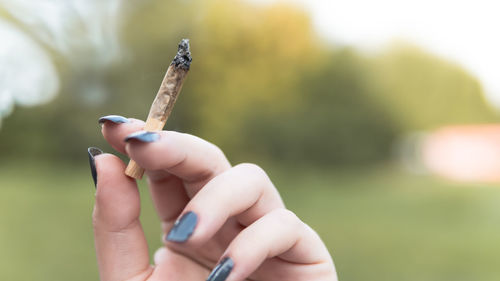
column 375, row 120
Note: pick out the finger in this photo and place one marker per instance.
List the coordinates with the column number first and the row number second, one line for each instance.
column 186, row 156
column 168, row 195
column 278, row 234
column 244, row 191
column 174, row 266
column 122, row 251
column 167, row 192
column 115, row 128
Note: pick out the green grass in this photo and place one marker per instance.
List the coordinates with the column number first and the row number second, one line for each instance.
column 380, row 224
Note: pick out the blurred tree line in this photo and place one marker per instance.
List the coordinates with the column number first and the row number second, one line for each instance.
column 263, row 86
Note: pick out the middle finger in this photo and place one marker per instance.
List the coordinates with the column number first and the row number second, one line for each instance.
column 244, row 191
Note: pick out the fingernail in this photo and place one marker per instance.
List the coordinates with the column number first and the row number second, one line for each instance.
column 143, row 136
column 93, row 151
column 183, row 228
column 117, row 119
column 222, row 270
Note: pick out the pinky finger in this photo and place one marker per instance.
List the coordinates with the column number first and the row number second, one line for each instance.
column 302, row 254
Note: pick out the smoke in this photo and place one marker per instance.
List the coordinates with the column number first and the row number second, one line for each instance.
column 72, row 27
column 27, row 75
column 83, row 32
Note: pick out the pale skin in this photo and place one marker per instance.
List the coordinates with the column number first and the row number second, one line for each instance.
column 240, row 215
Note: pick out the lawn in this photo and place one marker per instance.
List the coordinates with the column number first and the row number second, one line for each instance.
column 380, row 224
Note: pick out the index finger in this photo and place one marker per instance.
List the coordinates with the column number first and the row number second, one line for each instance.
column 188, row 157
column 115, row 128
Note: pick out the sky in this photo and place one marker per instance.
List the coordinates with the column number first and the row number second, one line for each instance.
column 464, row 31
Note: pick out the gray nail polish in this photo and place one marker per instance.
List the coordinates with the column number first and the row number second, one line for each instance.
column 183, row 228
column 143, row 136
column 222, row 270
column 117, row 119
column 93, row 151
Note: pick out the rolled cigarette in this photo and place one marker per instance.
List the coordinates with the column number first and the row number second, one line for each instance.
column 165, row 98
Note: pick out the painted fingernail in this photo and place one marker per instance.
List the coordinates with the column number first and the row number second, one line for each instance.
column 183, row 228
column 93, row 151
column 143, row 136
column 117, row 119
column 222, row 270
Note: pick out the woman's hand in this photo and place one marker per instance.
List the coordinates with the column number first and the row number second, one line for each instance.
column 213, row 215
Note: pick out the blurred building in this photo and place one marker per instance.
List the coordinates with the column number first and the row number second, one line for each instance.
column 463, row 153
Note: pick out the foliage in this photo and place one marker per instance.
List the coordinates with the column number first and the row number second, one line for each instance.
column 263, row 86
column 338, row 120
column 423, row 91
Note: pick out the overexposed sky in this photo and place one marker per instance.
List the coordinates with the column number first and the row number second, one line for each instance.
column 84, row 32
column 464, row 31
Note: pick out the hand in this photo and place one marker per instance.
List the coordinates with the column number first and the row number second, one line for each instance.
column 211, row 214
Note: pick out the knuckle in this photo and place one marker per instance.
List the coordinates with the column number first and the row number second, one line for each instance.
column 255, row 175
column 216, row 150
column 286, row 217
column 217, row 154
column 256, row 178
column 253, row 170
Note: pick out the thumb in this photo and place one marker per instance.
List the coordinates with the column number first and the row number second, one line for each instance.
column 122, row 251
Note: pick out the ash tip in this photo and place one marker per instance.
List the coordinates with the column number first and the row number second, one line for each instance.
column 183, row 57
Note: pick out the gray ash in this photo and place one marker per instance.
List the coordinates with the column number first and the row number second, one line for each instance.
column 183, row 57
